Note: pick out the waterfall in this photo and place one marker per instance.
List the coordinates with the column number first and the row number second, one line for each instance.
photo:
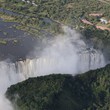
column 66, row 54
column 67, row 65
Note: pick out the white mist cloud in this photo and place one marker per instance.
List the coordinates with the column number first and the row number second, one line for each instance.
column 5, row 103
column 67, row 53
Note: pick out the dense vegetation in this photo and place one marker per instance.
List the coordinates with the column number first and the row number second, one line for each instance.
column 89, row 91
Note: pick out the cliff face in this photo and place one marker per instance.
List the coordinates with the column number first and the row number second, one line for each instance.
column 89, row 91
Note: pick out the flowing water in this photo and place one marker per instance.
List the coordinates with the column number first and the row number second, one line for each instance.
column 67, row 54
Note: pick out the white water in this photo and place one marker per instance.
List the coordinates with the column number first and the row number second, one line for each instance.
column 67, row 53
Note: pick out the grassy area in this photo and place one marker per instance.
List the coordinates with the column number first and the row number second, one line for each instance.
column 6, row 17
column 1, row 0
column 3, row 42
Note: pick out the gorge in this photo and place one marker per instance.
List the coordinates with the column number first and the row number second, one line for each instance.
column 67, row 53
